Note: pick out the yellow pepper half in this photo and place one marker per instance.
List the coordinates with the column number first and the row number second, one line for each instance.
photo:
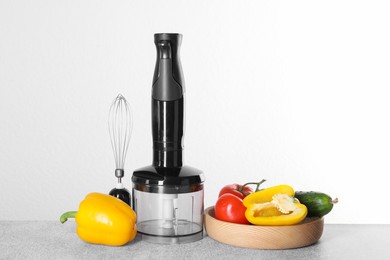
column 274, row 206
column 104, row 219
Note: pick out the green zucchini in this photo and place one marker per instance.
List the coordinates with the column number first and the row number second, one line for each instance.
column 318, row 204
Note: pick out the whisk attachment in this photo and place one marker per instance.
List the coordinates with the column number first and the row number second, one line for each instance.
column 120, row 126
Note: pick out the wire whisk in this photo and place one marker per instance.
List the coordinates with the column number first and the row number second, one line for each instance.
column 120, row 125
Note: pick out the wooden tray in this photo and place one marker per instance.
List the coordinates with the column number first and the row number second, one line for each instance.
column 303, row 234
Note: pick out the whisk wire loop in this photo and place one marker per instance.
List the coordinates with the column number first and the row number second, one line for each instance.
column 120, row 127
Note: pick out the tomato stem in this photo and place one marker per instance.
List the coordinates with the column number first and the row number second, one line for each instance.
column 249, row 183
column 258, row 184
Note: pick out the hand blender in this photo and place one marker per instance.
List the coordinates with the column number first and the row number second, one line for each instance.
column 167, row 195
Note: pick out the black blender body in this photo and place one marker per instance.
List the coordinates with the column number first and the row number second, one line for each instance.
column 167, row 195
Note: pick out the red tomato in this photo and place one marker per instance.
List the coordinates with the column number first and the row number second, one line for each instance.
column 230, row 208
column 235, row 190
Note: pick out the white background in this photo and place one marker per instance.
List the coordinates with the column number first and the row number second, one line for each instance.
column 295, row 92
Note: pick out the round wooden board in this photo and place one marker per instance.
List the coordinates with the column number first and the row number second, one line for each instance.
column 303, row 234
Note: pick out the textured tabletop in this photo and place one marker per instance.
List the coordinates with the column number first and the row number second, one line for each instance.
column 52, row 240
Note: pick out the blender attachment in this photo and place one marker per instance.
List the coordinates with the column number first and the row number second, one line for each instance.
column 120, row 126
column 167, row 195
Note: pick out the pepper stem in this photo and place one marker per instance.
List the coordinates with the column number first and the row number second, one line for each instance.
column 70, row 214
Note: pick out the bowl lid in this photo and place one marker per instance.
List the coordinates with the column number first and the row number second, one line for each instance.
column 168, row 180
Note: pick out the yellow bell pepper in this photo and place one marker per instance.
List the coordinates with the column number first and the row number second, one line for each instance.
column 274, row 206
column 104, row 219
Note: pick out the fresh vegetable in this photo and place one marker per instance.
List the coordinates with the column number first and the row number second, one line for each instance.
column 274, row 206
column 266, row 195
column 236, row 189
column 229, row 205
column 318, row 204
column 104, row 219
column 229, row 208
column 240, row 191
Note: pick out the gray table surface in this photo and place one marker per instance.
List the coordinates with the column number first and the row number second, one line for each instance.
column 53, row 240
